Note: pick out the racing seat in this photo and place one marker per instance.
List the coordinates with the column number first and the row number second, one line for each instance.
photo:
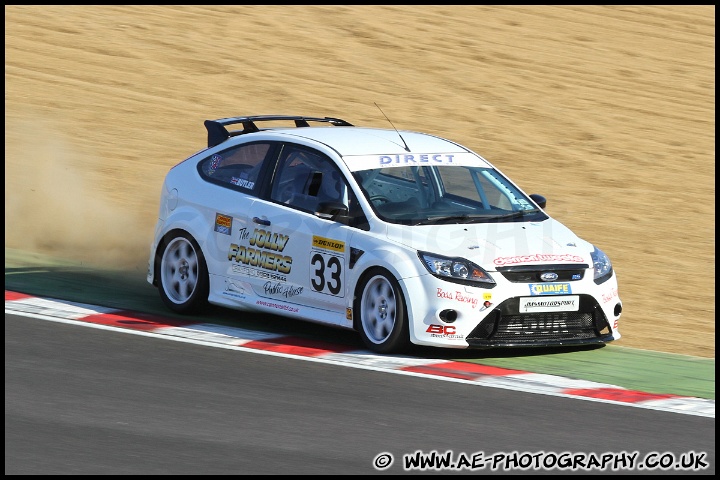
column 303, row 188
column 331, row 188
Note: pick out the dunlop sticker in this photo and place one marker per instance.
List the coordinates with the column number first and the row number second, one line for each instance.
column 328, row 244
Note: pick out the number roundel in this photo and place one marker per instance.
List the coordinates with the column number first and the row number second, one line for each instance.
column 326, row 273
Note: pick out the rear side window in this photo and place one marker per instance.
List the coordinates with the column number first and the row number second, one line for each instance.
column 237, row 167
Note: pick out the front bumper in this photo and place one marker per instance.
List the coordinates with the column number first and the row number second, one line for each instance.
column 505, row 326
column 460, row 316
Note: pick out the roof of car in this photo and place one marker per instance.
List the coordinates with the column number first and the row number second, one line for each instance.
column 337, row 134
column 370, row 141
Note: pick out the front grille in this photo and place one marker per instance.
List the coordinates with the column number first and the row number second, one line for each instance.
column 531, row 273
column 506, row 327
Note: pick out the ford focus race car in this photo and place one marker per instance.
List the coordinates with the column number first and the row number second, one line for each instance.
column 405, row 237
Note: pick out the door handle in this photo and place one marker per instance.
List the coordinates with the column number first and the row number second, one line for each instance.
column 261, row 221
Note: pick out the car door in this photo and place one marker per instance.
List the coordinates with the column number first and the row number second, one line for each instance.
column 235, row 176
column 302, row 256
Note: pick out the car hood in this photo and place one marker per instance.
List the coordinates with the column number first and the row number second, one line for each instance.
column 498, row 244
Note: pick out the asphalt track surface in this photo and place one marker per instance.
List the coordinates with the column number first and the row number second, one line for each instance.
column 101, row 401
column 89, row 401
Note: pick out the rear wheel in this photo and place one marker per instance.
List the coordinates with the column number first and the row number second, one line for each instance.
column 383, row 322
column 182, row 274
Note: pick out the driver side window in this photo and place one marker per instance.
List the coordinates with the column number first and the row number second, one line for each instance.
column 306, row 178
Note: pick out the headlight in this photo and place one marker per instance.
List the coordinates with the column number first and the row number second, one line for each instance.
column 602, row 266
column 457, row 270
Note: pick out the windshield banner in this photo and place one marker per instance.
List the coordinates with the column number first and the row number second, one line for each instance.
column 367, row 162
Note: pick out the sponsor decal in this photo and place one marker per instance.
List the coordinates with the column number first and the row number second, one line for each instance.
column 524, row 204
column 235, row 291
column 263, row 239
column 550, row 289
column 241, row 182
column 282, row 289
column 487, row 296
column 348, row 313
column 538, row 257
column 328, row 244
column 364, row 162
column 458, row 296
column 214, row 163
column 550, row 304
column 410, row 159
column 444, row 331
column 279, row 306
column 610, row 296
column 260, row 256
column 223, row 223
column 255, row 272
column 234, row 295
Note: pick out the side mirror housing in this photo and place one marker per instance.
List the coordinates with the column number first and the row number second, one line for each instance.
column 539, row 199
column 331, row 210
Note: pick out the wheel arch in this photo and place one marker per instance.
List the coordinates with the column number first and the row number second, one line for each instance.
column 397, row 262
column 174, row 278
column 357, row 293
column 160, row 247
column 182, row 219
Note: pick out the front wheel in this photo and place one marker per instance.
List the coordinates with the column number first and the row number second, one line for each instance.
column 383, row 321
column 182, row 274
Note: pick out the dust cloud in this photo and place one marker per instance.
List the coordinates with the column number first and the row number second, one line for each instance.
column 56, row 206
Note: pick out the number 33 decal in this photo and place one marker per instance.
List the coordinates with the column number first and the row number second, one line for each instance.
column 326, row 273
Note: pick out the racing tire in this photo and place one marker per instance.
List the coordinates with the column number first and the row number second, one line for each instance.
column 382, row 313
column 182, row 274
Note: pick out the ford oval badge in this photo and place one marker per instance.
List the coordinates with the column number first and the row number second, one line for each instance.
column 549, row 277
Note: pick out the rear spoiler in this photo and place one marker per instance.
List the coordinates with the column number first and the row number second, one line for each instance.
column 218, row 133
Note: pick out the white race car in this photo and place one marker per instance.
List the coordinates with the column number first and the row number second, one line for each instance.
column 402, row 236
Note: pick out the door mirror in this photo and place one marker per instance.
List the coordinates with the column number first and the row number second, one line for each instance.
column 539, row 199
column 331, row 210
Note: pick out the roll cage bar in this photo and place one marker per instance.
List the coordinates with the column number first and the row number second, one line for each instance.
column 218, row 133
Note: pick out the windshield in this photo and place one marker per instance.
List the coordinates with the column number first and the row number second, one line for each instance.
column 433, row 195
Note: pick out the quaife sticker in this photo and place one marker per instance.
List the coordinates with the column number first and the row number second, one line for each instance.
column 550, row 289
